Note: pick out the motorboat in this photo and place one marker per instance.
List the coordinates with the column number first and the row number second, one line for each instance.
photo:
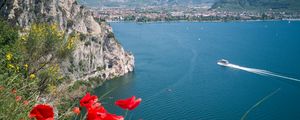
column 223, row 62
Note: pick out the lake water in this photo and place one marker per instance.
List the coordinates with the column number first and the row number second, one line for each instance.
column 178, row 78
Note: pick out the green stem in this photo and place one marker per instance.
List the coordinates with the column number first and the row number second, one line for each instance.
column 85, row 115
column 76, row 117
column 126, row 112
column 11, row 80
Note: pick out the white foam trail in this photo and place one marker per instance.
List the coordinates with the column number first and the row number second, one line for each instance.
column 261, row 72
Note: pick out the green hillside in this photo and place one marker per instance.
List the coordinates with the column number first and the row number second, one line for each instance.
column 293, row 5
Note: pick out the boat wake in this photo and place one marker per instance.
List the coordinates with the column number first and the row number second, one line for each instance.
column 260, row 72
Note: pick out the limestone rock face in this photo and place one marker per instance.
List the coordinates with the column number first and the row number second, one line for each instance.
column 97, row 54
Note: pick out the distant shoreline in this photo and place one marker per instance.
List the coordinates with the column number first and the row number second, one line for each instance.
column 215, row 21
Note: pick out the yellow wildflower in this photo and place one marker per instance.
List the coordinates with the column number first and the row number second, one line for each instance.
column 53, row 27
column 54, row 68
column 61, row 34
column 10, row 66
column 32, row 76
column 60, row 77
column 18, row 69
column 9, row 56
column 23, row 38
column 52, row 89
column 71, row 41
column 26, row 66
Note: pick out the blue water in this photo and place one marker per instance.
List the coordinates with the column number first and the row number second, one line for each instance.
column 177, row 77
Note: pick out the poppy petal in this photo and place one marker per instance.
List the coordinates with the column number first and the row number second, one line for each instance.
column 129, row 103
column 42, row 112
column 135, row 104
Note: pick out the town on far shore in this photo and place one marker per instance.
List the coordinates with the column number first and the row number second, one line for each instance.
column 188, row 13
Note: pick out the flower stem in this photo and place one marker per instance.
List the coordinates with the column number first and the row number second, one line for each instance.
column 126, row 112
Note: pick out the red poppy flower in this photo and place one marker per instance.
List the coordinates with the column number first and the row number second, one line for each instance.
column 88, row 100
column 42, row 112
column 99, row 113
column 129, row 103
column 25, row 102
column 76, row 110
column 95, row 105
column 18, row 98
column 113, row 117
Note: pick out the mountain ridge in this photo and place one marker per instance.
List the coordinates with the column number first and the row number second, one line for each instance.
column 257, row 5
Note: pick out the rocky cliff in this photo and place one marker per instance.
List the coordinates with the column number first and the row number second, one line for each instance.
column 97, row 53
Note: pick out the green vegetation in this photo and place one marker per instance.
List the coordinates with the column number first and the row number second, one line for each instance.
column 129, row 18
column 257, row 5
column 143, row 19
column 111, row 35
column 70, row 23
column 30, row 66
column 87, row 43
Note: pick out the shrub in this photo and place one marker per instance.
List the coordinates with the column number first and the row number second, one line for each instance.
column 30, row 66
column 8, row 34
column 111, row 35
column 43, row 48
column 87, row 43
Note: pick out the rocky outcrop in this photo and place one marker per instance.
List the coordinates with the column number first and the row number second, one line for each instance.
column 97, row 54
